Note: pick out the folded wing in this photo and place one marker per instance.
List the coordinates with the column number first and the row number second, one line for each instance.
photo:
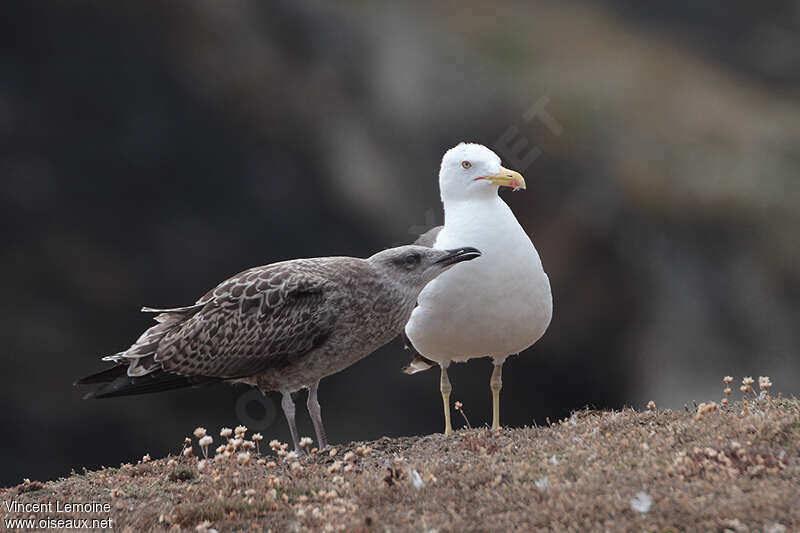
column 261, row 319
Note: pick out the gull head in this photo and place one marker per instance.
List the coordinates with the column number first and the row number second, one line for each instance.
column 413, row 267
column 472, row 170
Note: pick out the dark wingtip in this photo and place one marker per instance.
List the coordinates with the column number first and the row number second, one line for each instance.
column 158, row 381
column 104, row 376
column 428, row 239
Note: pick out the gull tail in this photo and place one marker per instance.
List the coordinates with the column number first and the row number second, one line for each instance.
column 418, row 364
column 137, row 371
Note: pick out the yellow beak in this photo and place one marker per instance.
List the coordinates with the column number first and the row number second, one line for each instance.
column 506, row 178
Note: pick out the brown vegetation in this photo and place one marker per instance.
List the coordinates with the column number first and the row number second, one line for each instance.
column 734, row 468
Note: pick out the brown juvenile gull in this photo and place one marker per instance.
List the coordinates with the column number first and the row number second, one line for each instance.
column 280, row 327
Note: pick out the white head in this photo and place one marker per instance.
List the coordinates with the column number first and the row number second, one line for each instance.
column 472, row 171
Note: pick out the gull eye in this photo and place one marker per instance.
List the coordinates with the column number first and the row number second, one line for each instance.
column 466, row 165
column 411, row 260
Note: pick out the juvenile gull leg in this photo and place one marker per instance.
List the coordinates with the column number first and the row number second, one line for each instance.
column 496, row 383
column 445, row 388
column 316, row 416
column 288, row 409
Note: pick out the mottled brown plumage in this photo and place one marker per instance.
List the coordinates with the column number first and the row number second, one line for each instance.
column 280, row 327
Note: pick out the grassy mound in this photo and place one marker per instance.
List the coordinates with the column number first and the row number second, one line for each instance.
column 708, row 469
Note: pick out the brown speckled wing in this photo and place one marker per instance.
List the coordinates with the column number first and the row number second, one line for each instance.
column 263, row 318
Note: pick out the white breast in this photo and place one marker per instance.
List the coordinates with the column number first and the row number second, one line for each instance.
column 496, row 305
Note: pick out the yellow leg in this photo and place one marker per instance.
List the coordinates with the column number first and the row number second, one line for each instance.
column 496, row 383
column 445, row 388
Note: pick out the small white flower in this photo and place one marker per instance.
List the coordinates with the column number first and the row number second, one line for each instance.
column 200, row 432
column 416, row 479
column 240, row 430
column 257, row 437
column 203, row 526
column 275, row 444
column 243, row 457
column 146, row 458
column 225, row 433
column 542, row 483
column 306, row 441
column 642, row 502
column 206, row 441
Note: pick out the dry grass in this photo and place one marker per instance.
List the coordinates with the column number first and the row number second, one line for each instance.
column 735, row 468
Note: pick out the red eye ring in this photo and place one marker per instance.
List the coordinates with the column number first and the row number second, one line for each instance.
column 466, row 165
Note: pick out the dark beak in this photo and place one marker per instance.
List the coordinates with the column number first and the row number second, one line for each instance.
column 459, row 255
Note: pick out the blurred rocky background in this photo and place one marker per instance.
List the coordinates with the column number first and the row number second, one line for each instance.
column 150, row 150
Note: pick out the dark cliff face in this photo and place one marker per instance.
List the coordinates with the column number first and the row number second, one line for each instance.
column 149, row 153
